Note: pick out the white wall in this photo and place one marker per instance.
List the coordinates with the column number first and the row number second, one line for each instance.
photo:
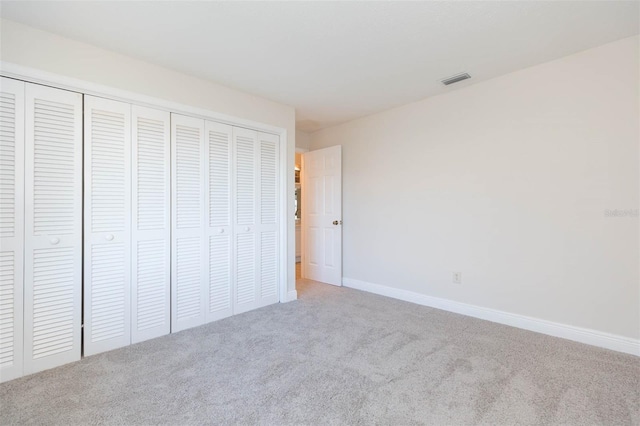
column 29, row 47
column 303, row 139
column 506, row 181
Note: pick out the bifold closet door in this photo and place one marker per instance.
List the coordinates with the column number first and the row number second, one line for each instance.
column 255, row 215
column 11, row 227
column 151, row 224
column 189, row 263
column 53, row 227
column 245, row 144
column 107, row 225
column 218, row 188
column 268, row 214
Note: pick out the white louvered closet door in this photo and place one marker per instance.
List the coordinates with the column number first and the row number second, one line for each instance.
column 218, row 153
column 256, row 250
column 53, row 227
column 189, row 265
column 268, row 213
column 11, row 227
column 151, row 224
column 107, row 223
column 245, row 159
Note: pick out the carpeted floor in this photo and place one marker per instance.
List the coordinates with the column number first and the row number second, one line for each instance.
column 337, row 356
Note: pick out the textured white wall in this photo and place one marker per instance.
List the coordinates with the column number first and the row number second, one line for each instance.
column 507, row 181
column 29, row 47
column 303, row 140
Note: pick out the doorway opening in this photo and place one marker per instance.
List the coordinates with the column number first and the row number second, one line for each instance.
column 298, row 213
column 319, row 212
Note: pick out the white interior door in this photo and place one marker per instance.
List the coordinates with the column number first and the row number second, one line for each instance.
column 189, row 272
column 11, row 227
column 53, row 227
column 218, row 183
column 322, row 215
column 151, row 224
column 107, row 224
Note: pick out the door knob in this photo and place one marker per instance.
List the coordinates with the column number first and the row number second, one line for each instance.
column 54, row 241
column 222, row 230
column 108, row 237
column 337, row 222
column 247, row 229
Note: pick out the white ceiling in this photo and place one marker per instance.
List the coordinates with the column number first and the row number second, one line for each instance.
column 336, row 61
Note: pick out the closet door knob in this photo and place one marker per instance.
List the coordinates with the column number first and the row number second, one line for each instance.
column 108, row 237
column 247, row 229
column 222, row 230
column 54, row 241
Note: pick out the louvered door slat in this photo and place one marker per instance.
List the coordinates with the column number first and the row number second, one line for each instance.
column 218, row 146
column 53, row 233
column 151, row 226
column 245, row 149
column 11, row 227
column 268, row 267
column 246, row 272
column 268, row 228
column 189, row 244
column 245, row 177
column 107, row 214
column 268, row 181
column 219, row 277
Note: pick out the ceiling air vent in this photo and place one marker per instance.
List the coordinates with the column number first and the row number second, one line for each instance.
column 455, row 78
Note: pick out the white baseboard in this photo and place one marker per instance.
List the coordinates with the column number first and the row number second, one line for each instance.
column 292, row 295
column 577, row 334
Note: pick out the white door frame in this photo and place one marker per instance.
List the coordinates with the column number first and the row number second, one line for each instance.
column 286, row 184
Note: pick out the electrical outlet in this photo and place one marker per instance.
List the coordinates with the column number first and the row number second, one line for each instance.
column 457, row 278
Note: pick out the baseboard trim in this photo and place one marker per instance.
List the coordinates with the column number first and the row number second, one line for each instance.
column 577, row 334
column 292, row 295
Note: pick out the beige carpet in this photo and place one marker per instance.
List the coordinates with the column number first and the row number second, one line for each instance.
column 337, row 356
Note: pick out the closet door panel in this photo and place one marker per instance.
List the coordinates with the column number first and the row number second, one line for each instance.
column 53, row 227
column 189, row 248
column 218, row 154
column 151, row 224
column 268, row 213
column 107, row 222
column 245, row 144
column 268, row 275
column 11, row 227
